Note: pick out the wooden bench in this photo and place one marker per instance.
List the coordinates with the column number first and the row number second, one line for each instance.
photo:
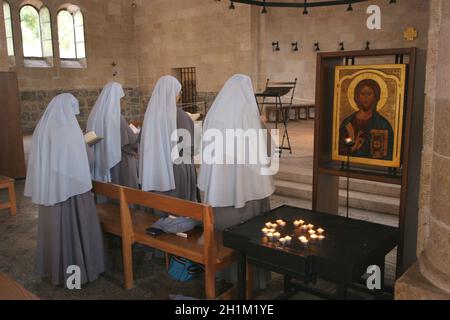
column 8, row 183
column 130, row 225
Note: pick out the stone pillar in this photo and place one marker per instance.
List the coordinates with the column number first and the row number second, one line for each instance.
column 430, row 277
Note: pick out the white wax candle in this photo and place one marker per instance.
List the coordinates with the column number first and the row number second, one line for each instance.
column 312, row 231
column 320, row 231
column 274, row 225
column 304, row 227
column 276, row 235
column 283, row 224
column 269, row 235
column 269, row 224
column 271, row 230
column 282, row 241
column 310, row 226
column 321, row 237
column 287, row 239
column 296, row 223
column 301, row 221
column 265, row 230
column 313, row 236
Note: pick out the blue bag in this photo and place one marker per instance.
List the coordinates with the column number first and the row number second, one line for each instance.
column 182, row 269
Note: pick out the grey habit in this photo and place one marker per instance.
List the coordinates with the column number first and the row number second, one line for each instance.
column 69, row 233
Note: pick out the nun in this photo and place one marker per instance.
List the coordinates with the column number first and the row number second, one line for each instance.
column 238, row 191
column 59, row 181
column 164, row 166
column 116, row 156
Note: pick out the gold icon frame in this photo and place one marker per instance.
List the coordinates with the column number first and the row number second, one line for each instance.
column 391, row 79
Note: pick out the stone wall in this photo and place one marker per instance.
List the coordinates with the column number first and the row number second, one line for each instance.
column 109, row 33
column 329, row 27
column 3, row 50
column 34, row 103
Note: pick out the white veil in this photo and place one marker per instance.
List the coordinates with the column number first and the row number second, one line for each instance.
column 58, row 166
column 160, row 121
column 104, row 120
column 234, row 184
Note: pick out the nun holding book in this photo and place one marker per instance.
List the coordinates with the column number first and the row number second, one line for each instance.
column 237, row 191
column 116, row 155
column 59, row 181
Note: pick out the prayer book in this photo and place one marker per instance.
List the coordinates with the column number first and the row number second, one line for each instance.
column 134, row 129
column 91, row 138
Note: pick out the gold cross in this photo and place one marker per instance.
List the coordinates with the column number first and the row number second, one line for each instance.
column 410, row 34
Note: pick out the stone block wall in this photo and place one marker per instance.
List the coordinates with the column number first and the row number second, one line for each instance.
column 33, row 105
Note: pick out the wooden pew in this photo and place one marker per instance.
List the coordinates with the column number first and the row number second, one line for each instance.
column 130, row 225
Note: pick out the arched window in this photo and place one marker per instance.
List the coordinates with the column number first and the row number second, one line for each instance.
column 8, row 28
column 36, row 32
column 71, row 33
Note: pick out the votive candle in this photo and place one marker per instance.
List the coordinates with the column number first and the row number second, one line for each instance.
column 288, row 239
column 312, row 231
column 320, row 231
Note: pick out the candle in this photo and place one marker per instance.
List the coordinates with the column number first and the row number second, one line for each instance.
column 282, row 241
column 312, row 231
column 265, row 230
column 303, row 240
column 304, row 227
column 272, row 230
column 296, row 223
column 274, row 225
column 276, row 235
column 270, row 235
column 310, row 226
column 287, row 239
column 279, row 221
column 321, row 237
column 314, row 237
column 301, row 221
column 269, row 225
column 320, row 231
column 282, row 224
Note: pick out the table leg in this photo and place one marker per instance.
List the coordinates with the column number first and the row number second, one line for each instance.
column 242, row 273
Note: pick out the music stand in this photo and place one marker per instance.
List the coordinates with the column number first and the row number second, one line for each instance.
column 276, row 90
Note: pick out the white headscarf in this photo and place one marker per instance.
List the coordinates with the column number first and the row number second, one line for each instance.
column 160, row 121
column 234, row 184
column 104, row 120
column 58, row 166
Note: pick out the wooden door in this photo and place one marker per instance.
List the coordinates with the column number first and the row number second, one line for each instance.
column 12, row 158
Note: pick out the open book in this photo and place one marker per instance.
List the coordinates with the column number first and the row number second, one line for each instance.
column 194, row 116
column 91, row 138
column 134, row 128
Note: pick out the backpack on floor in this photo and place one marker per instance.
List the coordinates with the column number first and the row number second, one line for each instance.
column 182, row 269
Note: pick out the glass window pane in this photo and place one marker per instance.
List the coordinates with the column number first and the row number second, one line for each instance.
column 31, row 33
column 81, row 50
column 78, row 16
column 46, row 31
column 10, row 45
column 8, row 28
column 79, row 34
column 45, row 15
column 66, row 35
column 47, row 48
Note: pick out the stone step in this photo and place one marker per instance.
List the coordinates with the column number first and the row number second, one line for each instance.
column 357, row 200
column 371, row 187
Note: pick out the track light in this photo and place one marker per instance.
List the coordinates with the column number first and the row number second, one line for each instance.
column 231, row 7
column 350, row 8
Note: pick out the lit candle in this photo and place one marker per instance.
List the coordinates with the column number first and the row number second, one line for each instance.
column 312, row 231
column 282, row 241
column 272, row 230
column 282, row 224
column 279, row 221
column 320, row 231
column 265, row 230
column 314, row 237
column 321, row 237
column 301, row 222
column 274, row 225
column 276, row 235
column 310, row 226
column 303, row 240
column 269, row 225
column 287, row 239
column 270, row 235
column 304, row 227
column 296, row 223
